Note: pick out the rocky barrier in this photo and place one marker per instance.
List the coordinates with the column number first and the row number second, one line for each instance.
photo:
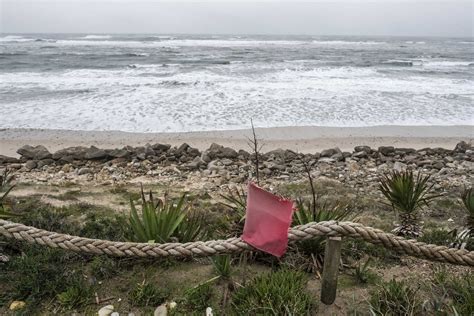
column 449, row 166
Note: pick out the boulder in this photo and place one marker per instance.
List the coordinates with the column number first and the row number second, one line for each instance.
column 6, row 159
column 120, row 153
column 331, row 152
column 386, row 150
column 366, row 149
column 399, row 166
column 462, row 146
column 45, row 162
column 160, row 148
column 94, row 153
column 83, row 171
column 30, row 165
column 37, row 153
column 71, row 153
column 219, row 151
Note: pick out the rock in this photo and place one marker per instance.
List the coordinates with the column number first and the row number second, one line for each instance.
column 360, row 154
column 106, row 310
column 386, row 150
column 161, row 311
column 17, row 305
column 94, row 153
column 196, row 163
column 462, row 146
column 4, row 258
column 115, row 314
column 326, row 160
column 6, row 159
column 37, row 153
column 366, row 149
column 83, row 171
column 226, row 162
column 45, row 162
column 399, row 166
column 120, row 153
column 218, row 151
column 70, row 154
column 405, row 151
column 338, row 156
column 30, row 165
column 331, row 152
column 160, row 148
column 205, row 157
column 209, row 311
column 438, row 165
column 182, row 149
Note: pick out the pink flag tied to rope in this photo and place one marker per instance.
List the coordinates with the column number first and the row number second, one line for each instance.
column 268, row 218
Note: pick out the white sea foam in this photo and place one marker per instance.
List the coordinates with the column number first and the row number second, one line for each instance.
column 97, row 37
column 15, row 38
column 226, row 98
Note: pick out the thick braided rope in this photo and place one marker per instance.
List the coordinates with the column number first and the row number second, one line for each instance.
column 234, row 245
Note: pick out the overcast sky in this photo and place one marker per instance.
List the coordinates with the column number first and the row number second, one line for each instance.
column 335, row 17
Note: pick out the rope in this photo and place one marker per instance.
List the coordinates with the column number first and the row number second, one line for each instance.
column 234, row 245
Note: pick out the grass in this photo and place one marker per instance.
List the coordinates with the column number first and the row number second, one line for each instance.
column 282, row 292
column 77, row 295
column 395, row 298
column 147, row 294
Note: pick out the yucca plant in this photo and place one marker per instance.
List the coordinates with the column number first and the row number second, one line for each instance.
column 5, row 188
column 407, row 194
column 164, row 220
column 464, row 237
column 236, row 200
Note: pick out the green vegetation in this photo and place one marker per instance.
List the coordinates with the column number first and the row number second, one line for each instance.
column 76, row 295
column 147, row 294
column 162, row 220
column 282, row 292
column 407, row 194
column 363, row 274
column 395, row 298
column 437, row 236
column 5, row 188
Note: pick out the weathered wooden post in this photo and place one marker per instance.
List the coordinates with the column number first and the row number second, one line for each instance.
column 332, row 257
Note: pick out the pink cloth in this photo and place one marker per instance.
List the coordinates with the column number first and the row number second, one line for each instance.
column 268, row 218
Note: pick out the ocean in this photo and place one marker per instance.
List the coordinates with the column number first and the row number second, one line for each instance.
column 177, row 83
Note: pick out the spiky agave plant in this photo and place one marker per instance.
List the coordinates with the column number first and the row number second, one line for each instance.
column 466, row 236
column 407, row 194
column 5, row 187
column 164, row 220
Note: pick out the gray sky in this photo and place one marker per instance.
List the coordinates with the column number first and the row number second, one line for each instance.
column 336, row 17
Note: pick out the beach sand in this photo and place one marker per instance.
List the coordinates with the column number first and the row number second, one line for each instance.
column 301, row 139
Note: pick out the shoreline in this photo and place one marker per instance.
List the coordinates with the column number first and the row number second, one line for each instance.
column 300, row 139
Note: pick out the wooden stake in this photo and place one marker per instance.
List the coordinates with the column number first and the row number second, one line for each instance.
column 332, row 257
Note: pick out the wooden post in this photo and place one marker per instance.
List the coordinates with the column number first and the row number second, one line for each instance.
column 332, row 257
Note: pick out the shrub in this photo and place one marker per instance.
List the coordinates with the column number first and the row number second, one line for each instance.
column 395, row 298
column 406, row 194
column 162, row 220
column 5, row 188
column 103, row 267
column 104, row 227
column 278, row 293
column 147, row 294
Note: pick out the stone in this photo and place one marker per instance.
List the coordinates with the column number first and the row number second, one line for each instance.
column 37, row 153
column 94, row 153
column 6, row 159
column 386, row 150
column 226, row 162
column 330, row 152
column 462, row 146
column 209, row 311
column 106, row 310
column 160, row 148
column 70, row 154
column 30, row 165
column 196, row 163
column 161, row 311
column 182, row 149
column 326, row 160
column 218, row 151
column 45, row 162
column 399, row 166
column 17, row 305
column 360, row 154
column 120, row 153
column 365, row 149
column 83, row 171
column 115, row 314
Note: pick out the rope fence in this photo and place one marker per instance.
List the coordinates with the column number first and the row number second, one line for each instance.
column 234, row 245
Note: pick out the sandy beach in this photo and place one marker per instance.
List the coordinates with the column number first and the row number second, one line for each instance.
column 301, row 139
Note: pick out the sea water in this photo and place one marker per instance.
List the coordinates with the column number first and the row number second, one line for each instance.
column 175, row 83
